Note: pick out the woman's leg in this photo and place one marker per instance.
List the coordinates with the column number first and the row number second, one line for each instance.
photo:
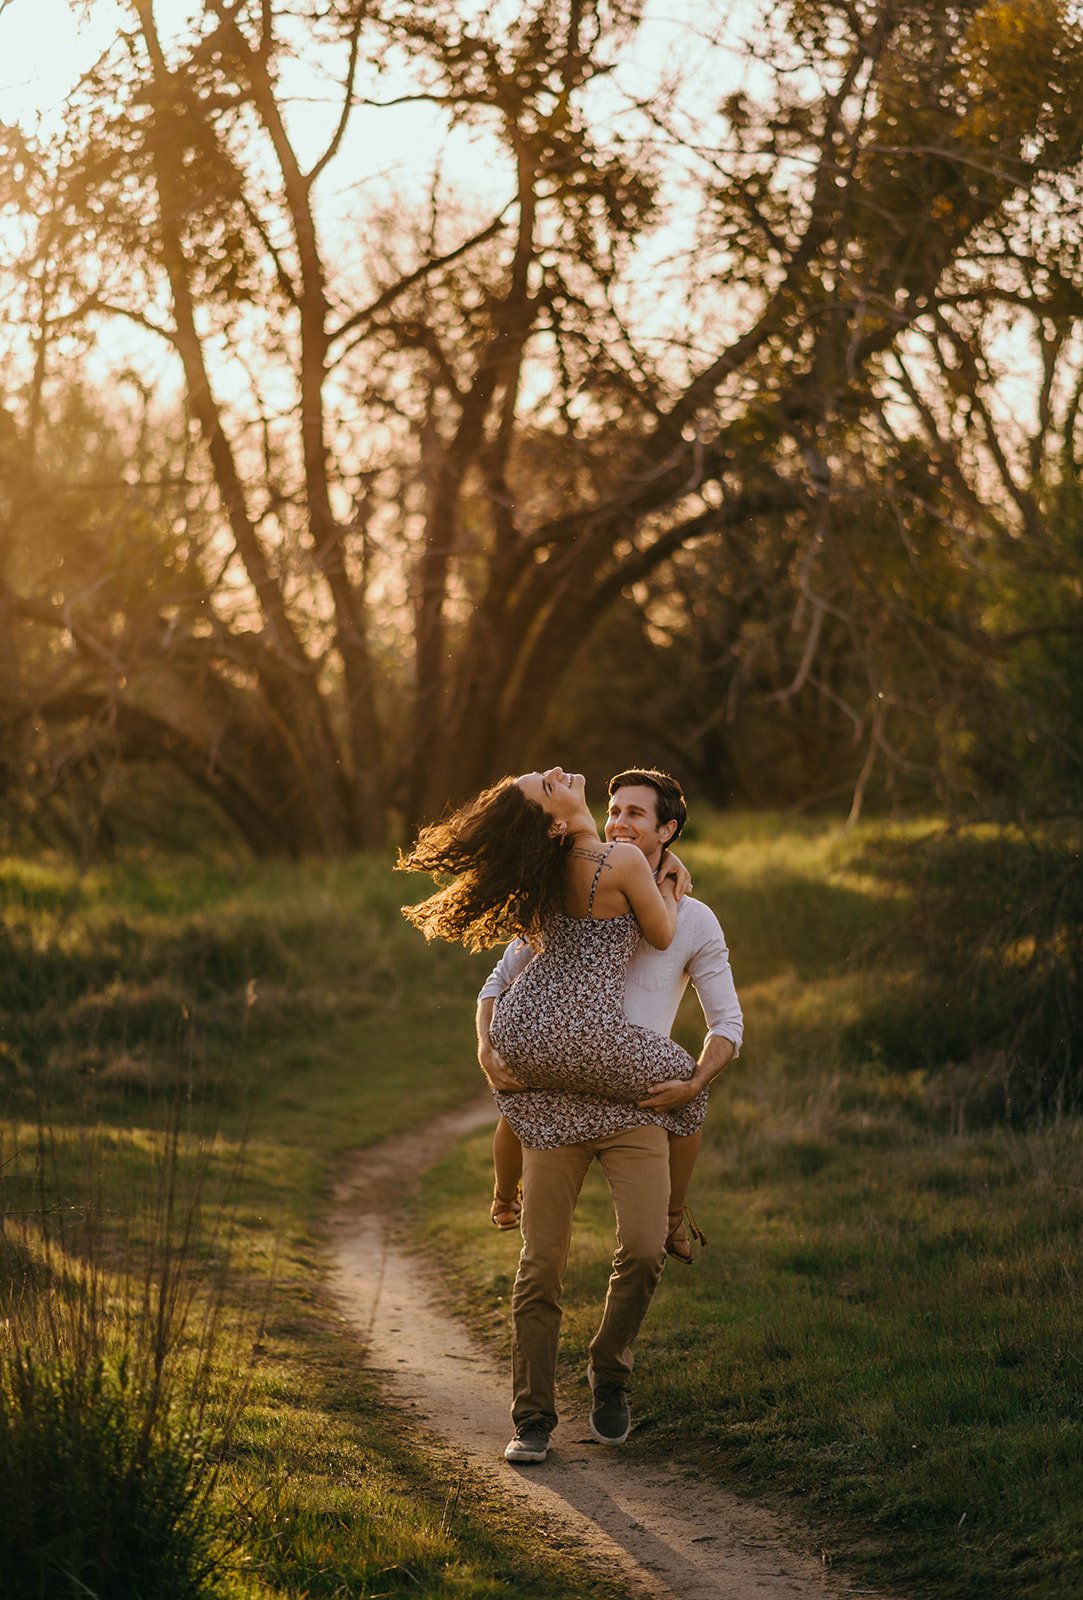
column 683, row 1153
column 619, row 1061
column 506, row 1208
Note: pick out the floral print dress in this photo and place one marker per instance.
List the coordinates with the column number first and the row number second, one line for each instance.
column 561, row 1030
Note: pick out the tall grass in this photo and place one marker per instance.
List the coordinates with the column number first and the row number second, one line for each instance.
column 292, row 1009
column 113, row 1416
column 149, row 979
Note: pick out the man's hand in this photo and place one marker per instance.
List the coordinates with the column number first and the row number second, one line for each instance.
column 672, row 866
column 492, row 1064
column 672, row 1095
column 675, row 1093
column 490, row 1059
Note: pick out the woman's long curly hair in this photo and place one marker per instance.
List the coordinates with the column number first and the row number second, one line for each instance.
column 507, row 870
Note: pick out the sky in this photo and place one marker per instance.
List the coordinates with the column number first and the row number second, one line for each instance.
column 46, row 44
column 43, row 50
column 388, row 156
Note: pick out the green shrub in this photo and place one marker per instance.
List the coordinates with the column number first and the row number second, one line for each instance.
column 105, row 1490
column 112, row 1284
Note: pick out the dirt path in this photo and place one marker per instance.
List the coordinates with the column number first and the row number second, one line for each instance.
column 659, row 1529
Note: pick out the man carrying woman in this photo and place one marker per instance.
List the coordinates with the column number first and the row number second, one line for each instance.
column 573, row 1031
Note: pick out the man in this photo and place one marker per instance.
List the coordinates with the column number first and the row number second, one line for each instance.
column 647, row 808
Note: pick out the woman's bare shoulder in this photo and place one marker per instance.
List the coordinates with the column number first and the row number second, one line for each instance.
column 628, row 859
column 590, row 851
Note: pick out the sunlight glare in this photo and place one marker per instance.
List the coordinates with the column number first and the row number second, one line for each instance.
column 44, row 50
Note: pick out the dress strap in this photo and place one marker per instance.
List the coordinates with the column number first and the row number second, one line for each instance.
column 594, row 881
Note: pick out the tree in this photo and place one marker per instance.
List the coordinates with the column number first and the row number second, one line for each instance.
column 435, row 473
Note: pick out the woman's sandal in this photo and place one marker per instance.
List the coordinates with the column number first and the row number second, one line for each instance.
column 678, row 1244
column 504, row 1213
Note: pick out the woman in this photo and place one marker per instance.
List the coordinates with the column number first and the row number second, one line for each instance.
column 526, row 859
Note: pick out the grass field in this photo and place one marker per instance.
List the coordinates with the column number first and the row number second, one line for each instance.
column 283, row 1016
column 884, row 1331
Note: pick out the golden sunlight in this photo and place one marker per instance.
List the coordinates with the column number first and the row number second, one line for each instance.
column 44, row 49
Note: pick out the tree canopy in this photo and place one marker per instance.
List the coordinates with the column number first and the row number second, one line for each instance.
column 324, row 485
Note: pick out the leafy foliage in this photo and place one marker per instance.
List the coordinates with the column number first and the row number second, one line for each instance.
column 737, row 360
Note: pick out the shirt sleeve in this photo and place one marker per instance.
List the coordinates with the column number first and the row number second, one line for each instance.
column 712, row 978
column 511, row 963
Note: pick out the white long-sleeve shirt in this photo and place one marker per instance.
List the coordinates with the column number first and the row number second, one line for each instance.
column 657, row 979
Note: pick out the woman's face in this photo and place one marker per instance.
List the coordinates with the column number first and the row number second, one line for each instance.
column 559, row 793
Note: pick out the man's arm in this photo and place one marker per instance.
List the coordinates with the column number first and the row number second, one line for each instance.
column 489, row 1059
column 712, row 978
column 714, row 1058
column 517, row 956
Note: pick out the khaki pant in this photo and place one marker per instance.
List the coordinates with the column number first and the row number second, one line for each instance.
column 636, row 1166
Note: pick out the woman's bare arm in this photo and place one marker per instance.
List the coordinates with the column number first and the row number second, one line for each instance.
column 654, row 904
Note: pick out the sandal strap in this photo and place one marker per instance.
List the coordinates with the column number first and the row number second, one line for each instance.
column 506, row 1210
column 686, row 1218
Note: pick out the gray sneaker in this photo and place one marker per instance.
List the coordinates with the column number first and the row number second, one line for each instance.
column 610, row 1414
column 531, row 1442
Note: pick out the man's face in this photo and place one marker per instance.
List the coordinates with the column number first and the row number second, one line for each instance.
column 633, row 816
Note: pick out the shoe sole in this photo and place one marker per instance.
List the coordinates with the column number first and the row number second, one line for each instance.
column 607, row 1438
column 675, row 1255
column 516, row 1457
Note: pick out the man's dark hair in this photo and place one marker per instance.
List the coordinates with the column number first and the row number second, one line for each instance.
column 669, row 796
